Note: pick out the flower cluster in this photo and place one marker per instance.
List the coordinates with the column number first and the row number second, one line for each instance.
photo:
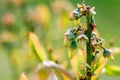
column 81, row 11
column 86, row 38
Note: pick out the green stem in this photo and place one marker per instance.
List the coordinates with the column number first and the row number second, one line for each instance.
column 88, row 45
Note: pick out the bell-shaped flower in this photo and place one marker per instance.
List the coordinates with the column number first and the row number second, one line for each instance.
column 94, row 38
column 75, row 14
column 82, row 38
column 108, row 54
column 68, row 37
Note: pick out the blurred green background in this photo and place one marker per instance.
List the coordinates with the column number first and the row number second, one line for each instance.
column 49, row 19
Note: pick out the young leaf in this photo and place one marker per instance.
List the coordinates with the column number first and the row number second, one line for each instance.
column 37, row 47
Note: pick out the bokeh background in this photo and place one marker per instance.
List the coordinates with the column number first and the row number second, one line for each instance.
column 49, row 19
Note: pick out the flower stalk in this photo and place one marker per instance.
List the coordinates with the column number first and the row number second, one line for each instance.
column 88, row 45
column 85, row 38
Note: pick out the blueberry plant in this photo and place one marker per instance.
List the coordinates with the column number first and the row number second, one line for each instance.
column 84, row 36
column 87, row 55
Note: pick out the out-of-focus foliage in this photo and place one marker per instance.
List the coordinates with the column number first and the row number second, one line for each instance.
column 49, row 20
column 112, row 70
column 37, row 47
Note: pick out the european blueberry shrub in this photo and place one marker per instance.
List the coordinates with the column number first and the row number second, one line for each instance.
column 84, row 39
column 87, row 55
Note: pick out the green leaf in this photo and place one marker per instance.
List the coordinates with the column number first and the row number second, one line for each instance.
column 37, row 47
column 112, row 70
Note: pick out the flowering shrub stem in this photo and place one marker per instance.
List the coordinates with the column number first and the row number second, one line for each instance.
column 88, row 45
column 84, row 38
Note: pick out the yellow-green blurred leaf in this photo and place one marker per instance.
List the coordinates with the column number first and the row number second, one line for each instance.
column 37, row 47
column 113, row 70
